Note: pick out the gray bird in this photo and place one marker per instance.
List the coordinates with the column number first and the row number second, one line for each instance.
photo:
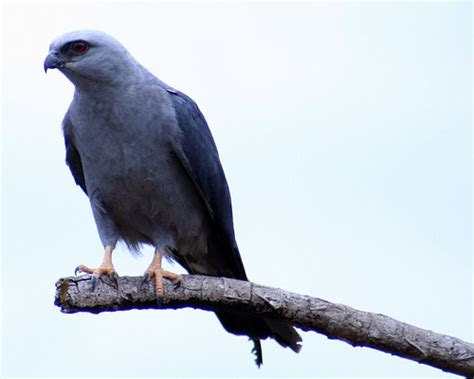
column 144, row 155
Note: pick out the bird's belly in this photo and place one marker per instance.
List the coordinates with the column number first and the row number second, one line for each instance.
column 149, row 196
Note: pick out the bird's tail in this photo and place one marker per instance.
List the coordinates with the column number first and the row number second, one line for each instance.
column 258, row 328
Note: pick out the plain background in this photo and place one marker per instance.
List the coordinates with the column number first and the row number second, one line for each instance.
column 345, row 133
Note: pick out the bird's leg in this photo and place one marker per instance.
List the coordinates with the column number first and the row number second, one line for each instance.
column 155, row 270
column 105, row 268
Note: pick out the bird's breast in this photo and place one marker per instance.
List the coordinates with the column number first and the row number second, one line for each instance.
column 129, row 162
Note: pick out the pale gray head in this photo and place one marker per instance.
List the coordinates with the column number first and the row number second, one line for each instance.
column 91, row 57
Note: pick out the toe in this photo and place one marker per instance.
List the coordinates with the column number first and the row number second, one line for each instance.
column 176, row 278
column 82, row 268
column 159, row 290
column 104, row 270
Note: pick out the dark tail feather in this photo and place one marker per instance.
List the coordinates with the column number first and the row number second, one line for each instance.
column 284, row 334
column 257, row 351
column 258, row 328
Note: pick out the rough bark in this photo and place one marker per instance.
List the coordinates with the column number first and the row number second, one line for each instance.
column 336, row 321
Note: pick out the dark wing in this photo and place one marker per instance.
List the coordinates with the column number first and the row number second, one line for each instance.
column 198, row 155
column 73, row 159
column 200, row 159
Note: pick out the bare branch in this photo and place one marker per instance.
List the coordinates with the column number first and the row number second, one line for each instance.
column 336, row 321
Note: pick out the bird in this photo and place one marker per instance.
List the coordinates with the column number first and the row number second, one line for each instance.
column 145, row 157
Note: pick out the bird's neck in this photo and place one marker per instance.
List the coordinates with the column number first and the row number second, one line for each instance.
column 119, row 79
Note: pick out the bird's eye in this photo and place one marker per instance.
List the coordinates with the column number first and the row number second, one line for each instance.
column 79, row 47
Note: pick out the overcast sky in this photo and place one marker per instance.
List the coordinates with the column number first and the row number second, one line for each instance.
column 345, row 134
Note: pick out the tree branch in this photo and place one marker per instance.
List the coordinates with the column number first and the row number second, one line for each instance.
column 336, row 321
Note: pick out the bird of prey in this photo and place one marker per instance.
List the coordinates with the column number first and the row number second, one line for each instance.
column 143, row 154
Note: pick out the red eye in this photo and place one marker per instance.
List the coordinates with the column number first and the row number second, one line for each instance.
column 79, row 47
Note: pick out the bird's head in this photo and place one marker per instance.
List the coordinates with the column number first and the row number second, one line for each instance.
column 90, row 56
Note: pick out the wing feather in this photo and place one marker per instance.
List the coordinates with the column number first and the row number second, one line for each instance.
column 73, row 158
column 198, row 155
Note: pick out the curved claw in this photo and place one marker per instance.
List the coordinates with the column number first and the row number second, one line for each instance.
column 145, row 278
column 177, row 283
column 94, row 282
column 115, row 278
column 159, row 300
column 77, row 270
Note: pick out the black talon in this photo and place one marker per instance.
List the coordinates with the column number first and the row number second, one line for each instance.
column 115, row 278
column 76, row 270
column 144, row 280
column 94, row 282
column 159, row 300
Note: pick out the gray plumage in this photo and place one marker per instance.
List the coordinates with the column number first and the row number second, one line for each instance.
column 145, row 157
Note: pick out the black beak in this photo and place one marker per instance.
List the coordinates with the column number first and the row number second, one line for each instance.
column 52, row 61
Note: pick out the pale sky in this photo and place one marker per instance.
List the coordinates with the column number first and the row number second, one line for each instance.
column 344, row 130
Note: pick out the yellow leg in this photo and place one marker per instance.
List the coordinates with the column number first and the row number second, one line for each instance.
column 155, row 270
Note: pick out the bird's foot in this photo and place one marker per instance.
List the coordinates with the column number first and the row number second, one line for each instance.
column 158, row 273
column 103, row 269
column 106, row 268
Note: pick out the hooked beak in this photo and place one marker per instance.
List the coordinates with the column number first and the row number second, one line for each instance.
column 52, row 61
